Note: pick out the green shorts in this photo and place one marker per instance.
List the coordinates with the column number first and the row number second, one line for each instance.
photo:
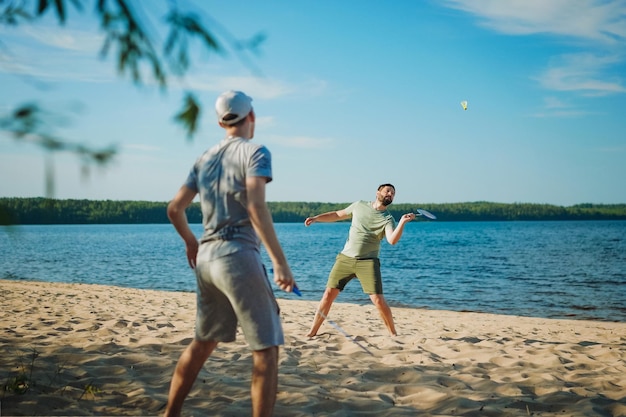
column 366, row 270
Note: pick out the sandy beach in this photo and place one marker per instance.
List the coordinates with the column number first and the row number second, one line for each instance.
column 77, row 349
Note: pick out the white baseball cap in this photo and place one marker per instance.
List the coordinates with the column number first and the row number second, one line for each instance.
column 232, row 106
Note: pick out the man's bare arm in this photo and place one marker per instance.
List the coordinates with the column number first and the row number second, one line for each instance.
column 328, row 217
column 176, row 213
column 394, row 235
column 264, row 226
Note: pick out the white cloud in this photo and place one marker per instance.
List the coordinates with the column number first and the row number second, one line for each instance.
column 554, row 103
column 612, row 149
column 300, row 142
column 265, row 121
column 600, row 24
column 82, row 41
column 9, row 64
column 44, row 53
column 556, row 107
column 598, row 20
column 258, row 87
column 587, row 73
column 551, row 113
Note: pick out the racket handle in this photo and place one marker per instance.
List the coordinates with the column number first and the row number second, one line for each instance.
column 295, row 288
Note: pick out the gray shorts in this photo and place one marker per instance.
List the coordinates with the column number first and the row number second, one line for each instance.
column 235, row 289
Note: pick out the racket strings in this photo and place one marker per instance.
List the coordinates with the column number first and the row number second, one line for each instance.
column 426, row 213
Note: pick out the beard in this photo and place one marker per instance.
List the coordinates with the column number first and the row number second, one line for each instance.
column 387, row 200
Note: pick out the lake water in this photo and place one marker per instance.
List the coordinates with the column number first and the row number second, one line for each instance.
column 570, row 269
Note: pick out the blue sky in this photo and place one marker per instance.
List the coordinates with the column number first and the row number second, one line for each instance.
column 348, row 95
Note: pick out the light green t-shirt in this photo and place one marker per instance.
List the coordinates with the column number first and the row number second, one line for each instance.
column 367, row 230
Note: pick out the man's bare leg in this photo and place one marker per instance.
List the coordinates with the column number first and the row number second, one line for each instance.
column 264, row 381
column 325, row 303
column 185, row 374
column 385, row 312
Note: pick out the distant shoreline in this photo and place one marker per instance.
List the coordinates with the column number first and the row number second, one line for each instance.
column 24, row 211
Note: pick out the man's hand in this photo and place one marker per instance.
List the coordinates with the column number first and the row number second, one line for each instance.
column 192, row 252
column 284, row 278
column 407, row 217
column 393, row 236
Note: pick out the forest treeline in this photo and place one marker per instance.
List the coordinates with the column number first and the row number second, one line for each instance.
column 55, row 211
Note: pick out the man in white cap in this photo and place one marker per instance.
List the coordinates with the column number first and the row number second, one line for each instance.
column 232, row 284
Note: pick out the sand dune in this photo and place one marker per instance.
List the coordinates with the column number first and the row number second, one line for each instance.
column 74, row 349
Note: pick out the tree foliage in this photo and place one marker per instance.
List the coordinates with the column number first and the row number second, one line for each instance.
column 135, row 50
column 52, row 211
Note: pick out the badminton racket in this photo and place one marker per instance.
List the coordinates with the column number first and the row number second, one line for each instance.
column 425, row 213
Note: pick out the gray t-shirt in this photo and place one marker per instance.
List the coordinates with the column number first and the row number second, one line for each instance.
column 367, row 230
column 219, row 177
